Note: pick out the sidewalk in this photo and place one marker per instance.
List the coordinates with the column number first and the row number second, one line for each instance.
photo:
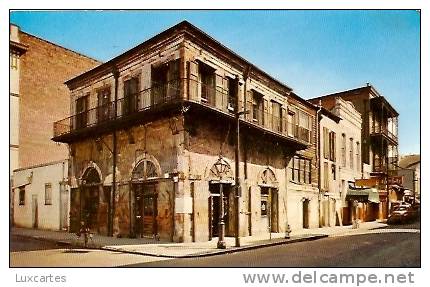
column 151, row 247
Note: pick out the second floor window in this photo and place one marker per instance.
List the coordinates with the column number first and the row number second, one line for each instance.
column 103, row 104
column 332, row 140
column 232, row 94
column 131, row 95
column 351, row 153
column 357, row 156
column 257, row 107
column 81, row 111
column 343, row 150
column 207, row 82
column 300, row 169
column 305, row 126
column 14, row 61
column 276, row 117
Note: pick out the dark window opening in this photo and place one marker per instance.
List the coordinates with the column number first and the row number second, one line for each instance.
column 232, row 94
column 257, row 107
column 207, row 83
column 131, row 95
column 103, row 104
column 22, row 195
column 82, row 112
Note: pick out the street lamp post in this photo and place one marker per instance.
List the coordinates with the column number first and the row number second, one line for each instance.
column 221, row 224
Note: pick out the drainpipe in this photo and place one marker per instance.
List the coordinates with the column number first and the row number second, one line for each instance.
column 319, row 160
column 114, row 152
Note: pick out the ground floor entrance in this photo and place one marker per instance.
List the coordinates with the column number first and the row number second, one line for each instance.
column 145, row 211
column 214, row 208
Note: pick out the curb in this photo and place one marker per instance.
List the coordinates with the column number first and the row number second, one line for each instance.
column 219, row 252
column 93, row 246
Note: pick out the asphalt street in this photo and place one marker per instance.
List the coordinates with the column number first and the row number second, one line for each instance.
column 368, row 250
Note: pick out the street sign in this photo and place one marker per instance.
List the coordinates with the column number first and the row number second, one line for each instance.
column 393, row 180
column 367, row 182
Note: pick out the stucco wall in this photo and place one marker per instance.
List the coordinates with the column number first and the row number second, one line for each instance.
column 34, row 179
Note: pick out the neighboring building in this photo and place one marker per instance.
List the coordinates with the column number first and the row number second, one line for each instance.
column 349, row 157
column 42, row 196
column 330, row 196
column 410, row 169
column 38, row 96
column 152, row 143
column 379, row 140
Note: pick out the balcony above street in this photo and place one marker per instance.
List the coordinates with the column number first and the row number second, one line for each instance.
column 170, row 98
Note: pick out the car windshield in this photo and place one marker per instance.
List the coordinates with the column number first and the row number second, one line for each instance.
column 402, row 208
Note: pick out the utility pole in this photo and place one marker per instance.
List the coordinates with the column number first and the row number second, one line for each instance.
column 237, row 153
column 237, row 179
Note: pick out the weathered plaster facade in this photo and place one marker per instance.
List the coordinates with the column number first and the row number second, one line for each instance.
column 173, row 148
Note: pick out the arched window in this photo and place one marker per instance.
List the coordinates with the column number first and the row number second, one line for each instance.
column 144, row 170
column 91, row 176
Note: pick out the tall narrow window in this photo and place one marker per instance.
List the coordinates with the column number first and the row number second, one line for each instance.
column 326, row 143
column 81, row 112
column 343, row 150
column 14, row 61
column 257, row 107
column 357, row 156
column 159, row 80
column 332, row 146
column 22, row 195
column 103, row 104
column 232, row 86
column 326, row 176
column 351, row 153
column 276, row 117
column 207, row 82
column 48, row 194
column 131, row 95
column 292, row 131
column 304, row 126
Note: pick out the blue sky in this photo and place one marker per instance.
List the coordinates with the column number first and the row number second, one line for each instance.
column 314, row 52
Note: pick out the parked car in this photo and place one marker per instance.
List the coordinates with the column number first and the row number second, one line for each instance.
column 402, row 213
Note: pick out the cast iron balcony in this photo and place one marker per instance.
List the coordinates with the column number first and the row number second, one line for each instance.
column 380, row 130
column 161, row 97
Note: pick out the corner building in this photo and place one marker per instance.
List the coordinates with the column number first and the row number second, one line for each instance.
column 152, row 144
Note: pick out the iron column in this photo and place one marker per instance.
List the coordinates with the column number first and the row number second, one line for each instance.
column 221, row 225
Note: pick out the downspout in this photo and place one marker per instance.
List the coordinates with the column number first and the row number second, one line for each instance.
column 116, row 75
column 319, row 160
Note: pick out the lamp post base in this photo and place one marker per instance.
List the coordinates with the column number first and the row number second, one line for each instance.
column 221, row 245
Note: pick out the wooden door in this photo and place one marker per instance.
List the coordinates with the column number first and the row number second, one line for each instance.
column 149, row 215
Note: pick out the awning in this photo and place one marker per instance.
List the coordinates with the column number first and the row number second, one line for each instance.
column 362, row 194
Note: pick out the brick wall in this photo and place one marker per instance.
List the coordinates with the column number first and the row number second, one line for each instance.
column 44, row 98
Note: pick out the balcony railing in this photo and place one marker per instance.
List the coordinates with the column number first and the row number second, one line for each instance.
column 383, row 130
column 170, row 93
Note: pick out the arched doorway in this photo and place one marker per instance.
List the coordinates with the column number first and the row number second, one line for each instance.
column 144, row 187
column 220, row 179
column 269, row 200
column 90, row 198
